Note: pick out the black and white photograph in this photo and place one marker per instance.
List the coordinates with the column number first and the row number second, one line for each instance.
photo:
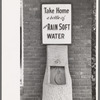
column 58, row 49
column 53, row 50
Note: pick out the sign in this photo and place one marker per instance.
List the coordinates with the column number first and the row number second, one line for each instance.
column 56, row 23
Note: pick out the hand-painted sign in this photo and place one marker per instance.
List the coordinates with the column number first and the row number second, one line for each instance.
column 56, row 23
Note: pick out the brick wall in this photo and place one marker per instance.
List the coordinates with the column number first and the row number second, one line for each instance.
column 79, row 50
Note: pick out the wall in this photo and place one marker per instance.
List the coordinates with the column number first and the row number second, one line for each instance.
column 79, row 50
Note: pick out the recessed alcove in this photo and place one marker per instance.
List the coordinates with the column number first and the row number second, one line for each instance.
column 57, row 75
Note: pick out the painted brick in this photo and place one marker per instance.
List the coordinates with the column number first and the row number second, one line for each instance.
column 80, row 95
column 82, row 87
column 87, row 91
column 82, row 98
column 81, row 82
column 79, row 51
